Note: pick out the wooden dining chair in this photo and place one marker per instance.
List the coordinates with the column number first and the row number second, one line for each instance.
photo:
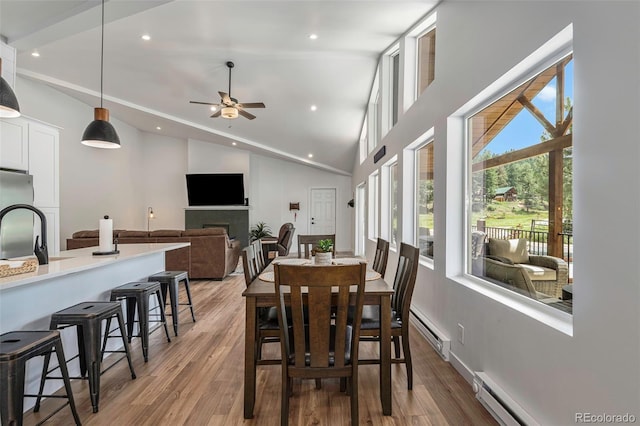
column 381, row 256
column 314, row 344
column 249, row 264
column 307, row 244
column 403, row 285
column 258, row 254
column 268, row 329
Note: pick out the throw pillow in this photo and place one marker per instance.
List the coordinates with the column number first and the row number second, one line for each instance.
column 514, row 250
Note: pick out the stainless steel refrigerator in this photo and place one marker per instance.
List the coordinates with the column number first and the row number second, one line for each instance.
column 16, row 233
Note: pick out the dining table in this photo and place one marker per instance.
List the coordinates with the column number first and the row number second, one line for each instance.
column 261, row 293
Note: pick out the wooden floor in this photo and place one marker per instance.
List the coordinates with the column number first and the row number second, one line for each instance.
column 197, row 380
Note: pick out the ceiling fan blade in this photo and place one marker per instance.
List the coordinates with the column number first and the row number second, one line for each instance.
column 217, row 113
column 225, row 98
column 245, row 114
column 251, row 105
column 202, row 103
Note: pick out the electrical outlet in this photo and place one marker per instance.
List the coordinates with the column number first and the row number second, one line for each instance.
column 460, row 333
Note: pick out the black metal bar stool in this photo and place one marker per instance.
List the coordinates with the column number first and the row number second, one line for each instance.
column 170, row 280
column 138, row 293
column 16, row 348
column 88, row 317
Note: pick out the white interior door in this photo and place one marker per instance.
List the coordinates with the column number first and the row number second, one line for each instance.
column 323, row 211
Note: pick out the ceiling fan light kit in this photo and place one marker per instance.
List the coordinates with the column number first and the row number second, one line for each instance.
column 229, row 107
column 229, row 112
column 100, row 133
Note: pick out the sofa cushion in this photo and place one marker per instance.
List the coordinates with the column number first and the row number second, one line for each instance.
column 539, row 273
column 203, row 232
column 166, row 233
column 133, row 234
column 515, row 250
column 86, row 234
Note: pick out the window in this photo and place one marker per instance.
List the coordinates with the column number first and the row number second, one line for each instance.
column 426, row 59
column 424, row 199
column 393, row 205
column 360, row 219
column 395, row 86
column 520, row 188
column 373, row 205
column 363, row 145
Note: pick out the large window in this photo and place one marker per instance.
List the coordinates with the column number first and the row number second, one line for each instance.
column 424, row 199
column 393, row 205
column 373, row 205
column 520, row 188
column 426, row 59
column 395, row 86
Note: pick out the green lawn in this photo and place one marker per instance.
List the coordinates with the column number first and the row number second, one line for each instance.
column 505, row 215
column 509, row 214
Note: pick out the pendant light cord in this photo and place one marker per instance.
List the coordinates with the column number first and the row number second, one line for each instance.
column 229, row 82
column 102, row 55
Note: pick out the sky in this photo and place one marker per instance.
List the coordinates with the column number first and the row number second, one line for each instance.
column 524, row 130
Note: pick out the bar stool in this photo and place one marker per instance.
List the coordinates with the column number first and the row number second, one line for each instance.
column 138, row 293
column 16, row 348
column 88, row 317
column 170, row 280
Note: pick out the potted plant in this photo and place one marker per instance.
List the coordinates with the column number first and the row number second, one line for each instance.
column 261, row 229
column 323, row 252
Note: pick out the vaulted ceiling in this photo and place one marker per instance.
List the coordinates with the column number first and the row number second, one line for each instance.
column 149, row 83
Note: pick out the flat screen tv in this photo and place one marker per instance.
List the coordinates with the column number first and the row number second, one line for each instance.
column 215, row 189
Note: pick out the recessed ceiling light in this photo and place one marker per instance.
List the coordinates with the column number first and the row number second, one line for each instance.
column 158, row 128
column 35, row 54
column 146, row 37
column 213, row 108
column 313, row 107
column 313, row 36
column 233, row 143
column 310, row 155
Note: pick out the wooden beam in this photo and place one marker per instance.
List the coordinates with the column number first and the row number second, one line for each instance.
column 564, row 128
column 556, row 160
column 558, row 143
column 538, row 115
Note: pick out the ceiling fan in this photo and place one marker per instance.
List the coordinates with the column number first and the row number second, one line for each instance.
column 229, row 107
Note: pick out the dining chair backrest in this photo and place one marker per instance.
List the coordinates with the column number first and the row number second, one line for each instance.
column 307, row 244
column 249, row 264
column 405, row 280
column 314, row 343
column 258, row 254
column 381, row 256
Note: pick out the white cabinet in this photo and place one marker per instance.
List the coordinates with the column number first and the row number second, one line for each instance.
column 53, row 228
column 30, row 145
column 43, row 164
column 14, row 144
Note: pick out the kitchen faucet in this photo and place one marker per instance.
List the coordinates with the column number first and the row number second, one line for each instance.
column 40, row 251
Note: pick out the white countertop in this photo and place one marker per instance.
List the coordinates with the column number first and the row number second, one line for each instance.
column 72, row 261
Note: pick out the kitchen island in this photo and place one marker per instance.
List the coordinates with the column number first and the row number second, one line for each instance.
column 74, row 276
column 28, row 300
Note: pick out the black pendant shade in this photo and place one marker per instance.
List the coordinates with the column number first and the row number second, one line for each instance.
column 100, row 133
column 9, row 107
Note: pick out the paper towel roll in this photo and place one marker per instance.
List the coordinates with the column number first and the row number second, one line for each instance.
column 106, row 235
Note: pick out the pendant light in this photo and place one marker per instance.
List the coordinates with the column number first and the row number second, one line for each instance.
column 100, row 133
column 9, row 107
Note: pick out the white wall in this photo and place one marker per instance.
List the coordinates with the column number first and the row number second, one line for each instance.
column 551, row 374
column 149, row 171
column 276, row 183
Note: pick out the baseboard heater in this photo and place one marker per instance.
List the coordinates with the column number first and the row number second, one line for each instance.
column 501, row 406
column 434, row 336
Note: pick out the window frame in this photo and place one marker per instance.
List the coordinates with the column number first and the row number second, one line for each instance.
column 373, row 205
